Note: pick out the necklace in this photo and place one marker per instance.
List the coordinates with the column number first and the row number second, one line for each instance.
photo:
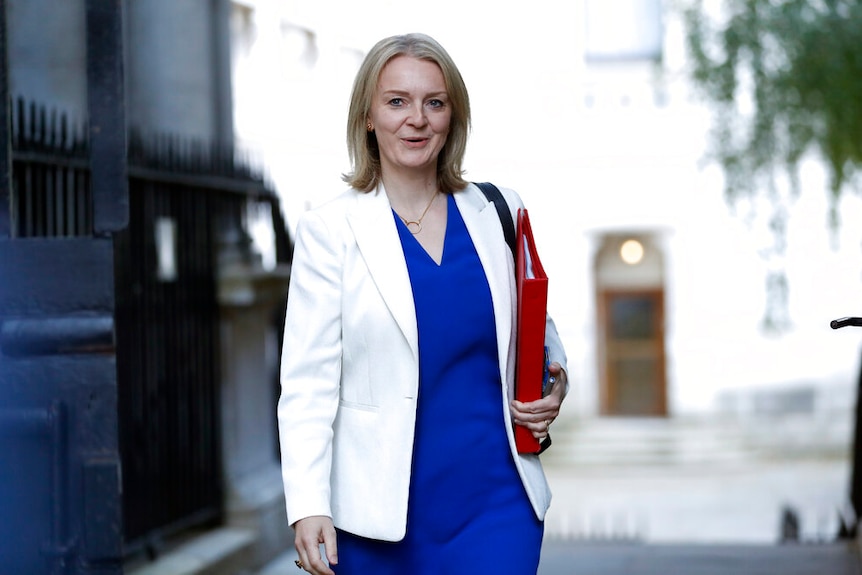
column 416, row 226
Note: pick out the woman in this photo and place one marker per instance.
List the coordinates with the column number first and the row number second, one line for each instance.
column 396, row 410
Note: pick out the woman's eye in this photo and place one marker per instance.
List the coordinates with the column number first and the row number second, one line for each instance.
column 396, row 102
column 436, row 103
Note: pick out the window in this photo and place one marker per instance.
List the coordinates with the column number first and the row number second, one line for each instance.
column 623, row 30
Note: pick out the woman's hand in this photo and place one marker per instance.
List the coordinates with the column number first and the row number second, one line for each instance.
column 310, row 533
column 537, row 416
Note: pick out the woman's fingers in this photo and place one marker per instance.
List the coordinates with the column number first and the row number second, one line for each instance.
column 310, row 533
column 537, row 416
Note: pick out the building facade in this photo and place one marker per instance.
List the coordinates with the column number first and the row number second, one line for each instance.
column 587, row 110
column 147, row 357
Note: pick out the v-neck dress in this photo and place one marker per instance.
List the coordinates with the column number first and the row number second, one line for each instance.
column 468, row 511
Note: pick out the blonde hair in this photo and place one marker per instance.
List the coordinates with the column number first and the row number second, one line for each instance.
column 362, row 144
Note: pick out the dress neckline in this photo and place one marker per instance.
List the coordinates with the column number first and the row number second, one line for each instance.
column 407, row 236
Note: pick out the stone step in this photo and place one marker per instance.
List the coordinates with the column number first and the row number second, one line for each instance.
column 641, row 441
column 224, row 551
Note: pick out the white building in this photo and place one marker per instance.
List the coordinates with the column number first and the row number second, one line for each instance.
column 585, row 108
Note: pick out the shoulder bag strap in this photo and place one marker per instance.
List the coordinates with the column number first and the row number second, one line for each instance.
column 493, row 194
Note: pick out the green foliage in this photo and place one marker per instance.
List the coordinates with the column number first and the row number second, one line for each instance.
column 800, row 63
column 784, row 78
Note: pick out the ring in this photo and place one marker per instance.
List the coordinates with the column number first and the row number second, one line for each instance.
column 548, row 423
column 299, row 564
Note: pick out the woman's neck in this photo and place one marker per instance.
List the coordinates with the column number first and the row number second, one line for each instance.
column 409, row 192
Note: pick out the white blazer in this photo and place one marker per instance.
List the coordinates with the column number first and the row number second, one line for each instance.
column 350, row 362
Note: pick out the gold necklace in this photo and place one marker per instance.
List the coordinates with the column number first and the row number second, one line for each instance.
column 418, row 223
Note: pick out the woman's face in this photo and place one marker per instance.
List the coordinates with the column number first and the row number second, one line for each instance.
column 411, row 112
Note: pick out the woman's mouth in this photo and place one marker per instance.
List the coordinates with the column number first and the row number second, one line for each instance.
column 414, row 142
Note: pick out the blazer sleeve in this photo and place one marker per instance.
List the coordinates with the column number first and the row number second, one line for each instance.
column 310, row 369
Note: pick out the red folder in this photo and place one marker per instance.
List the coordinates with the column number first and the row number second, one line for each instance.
column 530, row 339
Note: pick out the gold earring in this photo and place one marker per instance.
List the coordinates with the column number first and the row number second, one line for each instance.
column 370, row 127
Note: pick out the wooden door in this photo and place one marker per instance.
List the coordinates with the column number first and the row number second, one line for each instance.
column 632, row 352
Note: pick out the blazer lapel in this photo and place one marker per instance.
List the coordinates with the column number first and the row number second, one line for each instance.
column 483, row 223
column 376, row 236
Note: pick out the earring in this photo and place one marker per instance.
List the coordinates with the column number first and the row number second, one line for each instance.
column 370, row 127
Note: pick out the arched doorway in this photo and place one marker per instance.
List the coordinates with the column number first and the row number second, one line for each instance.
column 629, row 272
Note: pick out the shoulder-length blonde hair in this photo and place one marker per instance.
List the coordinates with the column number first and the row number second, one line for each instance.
column 362, row 144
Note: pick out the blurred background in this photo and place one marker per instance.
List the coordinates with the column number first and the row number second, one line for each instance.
column 689, row 168
column 698, row 336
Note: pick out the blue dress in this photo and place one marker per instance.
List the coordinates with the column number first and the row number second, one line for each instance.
column 468, row 511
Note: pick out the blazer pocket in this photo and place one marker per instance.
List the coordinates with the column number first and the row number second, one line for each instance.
column 354, row 422
column 353, row 405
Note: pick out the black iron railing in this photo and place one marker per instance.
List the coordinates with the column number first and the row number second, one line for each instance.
column 189, row 203
column 50, row 173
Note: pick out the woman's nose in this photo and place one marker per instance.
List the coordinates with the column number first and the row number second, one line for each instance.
column 417, row 116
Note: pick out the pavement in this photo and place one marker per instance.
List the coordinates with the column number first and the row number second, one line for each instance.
column 692, row 520
column 739, row 503
column 622, row 506
column 562, row 558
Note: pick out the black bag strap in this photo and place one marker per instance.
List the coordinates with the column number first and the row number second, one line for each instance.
column 494, row 195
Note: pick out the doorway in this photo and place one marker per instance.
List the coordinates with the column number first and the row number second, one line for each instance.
column 630, row 326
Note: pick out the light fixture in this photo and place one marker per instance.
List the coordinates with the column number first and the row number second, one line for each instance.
column 632, row 252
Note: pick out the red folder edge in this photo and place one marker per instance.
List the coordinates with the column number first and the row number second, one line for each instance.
column 530, row 334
